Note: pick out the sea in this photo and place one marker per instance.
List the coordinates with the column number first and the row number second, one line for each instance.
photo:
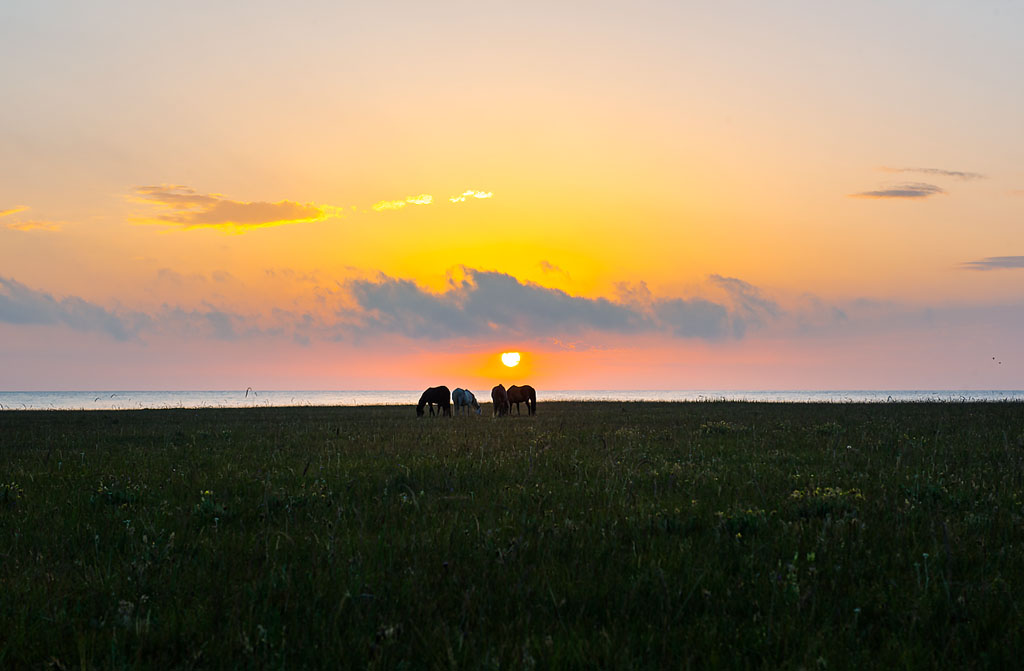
column 251, row 398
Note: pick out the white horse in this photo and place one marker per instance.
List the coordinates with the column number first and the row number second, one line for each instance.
column 464, row 398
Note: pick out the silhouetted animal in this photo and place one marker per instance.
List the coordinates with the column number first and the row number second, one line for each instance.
column 524, row 394
column 464, row 398
column 436, row 395
column 500, row 400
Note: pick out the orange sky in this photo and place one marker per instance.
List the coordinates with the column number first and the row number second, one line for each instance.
column 671, row 197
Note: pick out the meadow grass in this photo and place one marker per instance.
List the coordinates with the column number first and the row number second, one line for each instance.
column 607, row 535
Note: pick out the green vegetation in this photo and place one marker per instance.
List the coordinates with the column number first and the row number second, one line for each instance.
column 612, row 535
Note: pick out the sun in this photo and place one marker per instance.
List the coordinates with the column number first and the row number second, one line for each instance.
column 510, row 359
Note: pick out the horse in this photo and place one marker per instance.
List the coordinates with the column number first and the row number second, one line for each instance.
column 500, row 400
column 464, row 398
column 522, row 394
column 438, row 395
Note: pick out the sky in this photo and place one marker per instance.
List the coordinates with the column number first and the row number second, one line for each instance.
column 388, row 195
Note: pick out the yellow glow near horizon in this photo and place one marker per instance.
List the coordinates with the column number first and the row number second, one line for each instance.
column 510, row 359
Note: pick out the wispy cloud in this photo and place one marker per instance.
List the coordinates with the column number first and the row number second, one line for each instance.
column 995, row 263
column 913, row 190
column 34, row 226
column 939, row 172
column 13, row 210
column 185, row 207
column 427, row 199
column 422, row 199
column 462, row 197
column 551, row 268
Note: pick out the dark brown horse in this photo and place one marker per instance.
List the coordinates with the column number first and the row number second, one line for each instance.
column 439, row 395
column 500, row 400
column 524, row 394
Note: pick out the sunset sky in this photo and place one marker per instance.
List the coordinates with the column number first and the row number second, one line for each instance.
column 387, row 195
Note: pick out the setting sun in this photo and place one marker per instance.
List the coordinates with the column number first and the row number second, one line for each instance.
column 510, row 359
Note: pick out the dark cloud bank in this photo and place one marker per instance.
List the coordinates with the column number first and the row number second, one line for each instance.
column 487, row 304
column 482, row 305
column 20, row 304
column 23, row 305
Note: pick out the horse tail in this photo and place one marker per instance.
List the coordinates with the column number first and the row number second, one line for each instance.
column 532, row 404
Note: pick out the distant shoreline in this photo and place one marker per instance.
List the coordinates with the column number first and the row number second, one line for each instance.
column 990, row 398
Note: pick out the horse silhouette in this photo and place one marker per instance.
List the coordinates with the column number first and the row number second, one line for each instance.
column 464, row 398
column 524, row 394
column 436, row 395
column 500, row 400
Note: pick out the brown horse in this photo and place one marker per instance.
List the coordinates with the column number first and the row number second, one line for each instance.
column 500, row 400
column 439, row 395
column 524, row 394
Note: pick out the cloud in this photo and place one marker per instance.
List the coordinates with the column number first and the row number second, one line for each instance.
column 548, row 267
column 427, row 199
column 695, row 318
column 13, row 210
column 172, row 278
column 461, row 198
column 209, row 321
column 481, row 304
column 422, row 199
column 907, row 190
column 20, row 304
column 185, row 207
column 486, row 304
column 995, row 263
column 34, row 226
column 938, row 172
column 750, row 306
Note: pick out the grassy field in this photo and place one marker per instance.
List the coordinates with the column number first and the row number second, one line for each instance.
column 607, row 535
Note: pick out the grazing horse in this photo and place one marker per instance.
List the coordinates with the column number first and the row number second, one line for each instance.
column 464, row 398
column 500, row 400
column 439, row 395
column 524, row 394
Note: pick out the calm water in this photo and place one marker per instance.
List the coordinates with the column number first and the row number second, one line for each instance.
column 126, row 400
